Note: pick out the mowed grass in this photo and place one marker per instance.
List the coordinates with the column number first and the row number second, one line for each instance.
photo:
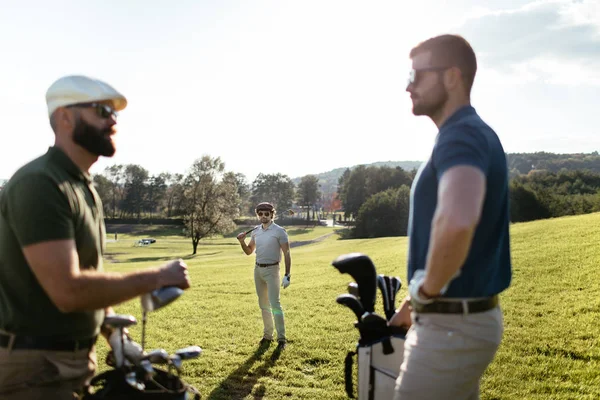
column 552, row 314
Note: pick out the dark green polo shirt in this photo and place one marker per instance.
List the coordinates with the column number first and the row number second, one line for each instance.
column 49, row 198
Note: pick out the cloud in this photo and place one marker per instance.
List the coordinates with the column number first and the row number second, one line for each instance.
column 554, row 41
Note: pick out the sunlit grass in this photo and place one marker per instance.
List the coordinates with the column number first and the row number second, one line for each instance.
column 550, row 348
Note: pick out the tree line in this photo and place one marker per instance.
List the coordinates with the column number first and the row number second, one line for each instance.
column 207, row 198
column 374, row 200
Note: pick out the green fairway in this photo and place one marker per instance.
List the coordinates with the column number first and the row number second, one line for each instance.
column 550, row 348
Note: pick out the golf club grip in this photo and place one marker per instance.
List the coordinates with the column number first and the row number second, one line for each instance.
column 247, row 232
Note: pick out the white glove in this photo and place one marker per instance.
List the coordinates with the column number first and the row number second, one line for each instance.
column 285, row 282
column 417, row 281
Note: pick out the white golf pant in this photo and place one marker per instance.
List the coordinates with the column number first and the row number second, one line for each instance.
column 267, row 281
column 445, row 355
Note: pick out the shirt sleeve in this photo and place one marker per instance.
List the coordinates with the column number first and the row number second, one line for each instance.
column 39, row 211
column 463, row 145
column 283, row 237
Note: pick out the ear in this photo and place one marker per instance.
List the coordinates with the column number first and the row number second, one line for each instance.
column 65, row 119
column 452, row 78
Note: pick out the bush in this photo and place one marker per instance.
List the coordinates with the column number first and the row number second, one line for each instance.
column 384, row 214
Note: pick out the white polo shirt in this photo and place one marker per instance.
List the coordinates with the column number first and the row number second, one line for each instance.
column 268, row 243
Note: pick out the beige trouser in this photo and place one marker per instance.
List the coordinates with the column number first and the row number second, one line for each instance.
column 41, row 374
column 267, row 283
column 445, row 355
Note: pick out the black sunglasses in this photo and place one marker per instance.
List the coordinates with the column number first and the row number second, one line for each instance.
column 102, row 110
column 413, row 74
column 266, row 213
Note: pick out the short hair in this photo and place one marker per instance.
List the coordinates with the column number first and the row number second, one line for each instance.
column 451, row 51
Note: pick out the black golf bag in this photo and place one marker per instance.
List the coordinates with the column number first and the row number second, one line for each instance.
column 118, row 384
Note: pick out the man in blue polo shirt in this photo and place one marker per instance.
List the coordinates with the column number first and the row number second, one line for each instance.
column 459, row 254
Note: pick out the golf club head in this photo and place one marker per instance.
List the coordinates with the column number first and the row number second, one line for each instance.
column 382, row 283
column 353, row 289
column 146, row 366
column 158, row 356
column 189, row 352
column 175, row 362
column 395, row 285
column 361, row 268
column 132, row 380
column 350, row 301
column 372, row 327
column 116, row 321
column 160, row 297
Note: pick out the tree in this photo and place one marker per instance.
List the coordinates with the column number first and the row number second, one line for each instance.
column 136, row 178
column 156, row 191
column 115, row 175
column 308, row 192
column 212, row 200
column 245, row 192
column 277, row 189
column 103, row 187
column 174, row 195
column 384, row 214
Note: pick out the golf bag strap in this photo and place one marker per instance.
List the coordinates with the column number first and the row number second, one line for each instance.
column 348, row 373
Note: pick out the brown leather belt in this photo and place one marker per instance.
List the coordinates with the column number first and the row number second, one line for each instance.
column 45, row 343
column 457, row 307
column 266, row 265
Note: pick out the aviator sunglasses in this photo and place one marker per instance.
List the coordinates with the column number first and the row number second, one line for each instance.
column 102, row 110
column 265, row 213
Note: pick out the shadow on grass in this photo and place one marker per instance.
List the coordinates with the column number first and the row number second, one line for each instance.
column 239, row 384
column 188, row 257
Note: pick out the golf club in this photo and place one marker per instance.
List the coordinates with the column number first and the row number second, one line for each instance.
column 350, row 301
column 154, row 300
column 175, row 362
column 394, row 285
column 148, row 369
column 119, row 322
column 188, row 353
column 361, row 268
column 353, row 289
column 158, row 356
column 374, row 327
column 382, row 283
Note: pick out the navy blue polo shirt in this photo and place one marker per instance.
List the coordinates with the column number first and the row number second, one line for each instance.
column 464, row 139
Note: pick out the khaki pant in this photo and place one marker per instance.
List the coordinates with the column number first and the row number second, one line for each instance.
column 43, row 375
column 267, row 284
column 445, row 355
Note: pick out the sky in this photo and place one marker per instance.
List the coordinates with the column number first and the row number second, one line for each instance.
column 295, row 87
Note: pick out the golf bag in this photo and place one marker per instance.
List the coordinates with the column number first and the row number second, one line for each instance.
column 115, row 385
column 380, row 348
column 378, row 367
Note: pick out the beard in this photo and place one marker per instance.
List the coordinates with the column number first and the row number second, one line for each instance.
column 438, row 96
column 96, row 141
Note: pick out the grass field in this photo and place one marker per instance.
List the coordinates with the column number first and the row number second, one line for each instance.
column 552, row 313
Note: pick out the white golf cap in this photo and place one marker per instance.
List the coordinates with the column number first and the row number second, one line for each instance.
column 77, row 89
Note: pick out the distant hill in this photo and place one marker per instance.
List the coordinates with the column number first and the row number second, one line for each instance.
column 329, row 180
column 518, row 164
